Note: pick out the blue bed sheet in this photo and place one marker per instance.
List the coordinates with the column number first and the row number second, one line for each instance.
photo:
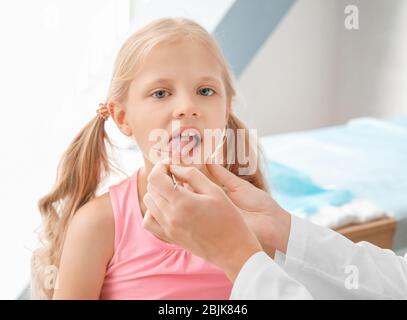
column 367, row 157
column 296, row 192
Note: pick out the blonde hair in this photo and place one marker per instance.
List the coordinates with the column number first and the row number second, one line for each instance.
column 85, row 161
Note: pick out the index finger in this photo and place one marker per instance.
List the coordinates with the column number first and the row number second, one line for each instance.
column 163, row 184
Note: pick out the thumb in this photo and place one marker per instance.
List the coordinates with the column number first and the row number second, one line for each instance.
column 195, row 178
column 224, row 177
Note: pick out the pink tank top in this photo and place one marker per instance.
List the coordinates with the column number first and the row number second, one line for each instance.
column 144, row 267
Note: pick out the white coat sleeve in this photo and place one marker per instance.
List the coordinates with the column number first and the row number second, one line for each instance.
column 262, row 279
column 332, row 267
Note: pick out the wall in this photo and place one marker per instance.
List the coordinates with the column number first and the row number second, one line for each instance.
column 312, row 72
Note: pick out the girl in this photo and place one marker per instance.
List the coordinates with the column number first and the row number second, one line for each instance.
column 172, row 69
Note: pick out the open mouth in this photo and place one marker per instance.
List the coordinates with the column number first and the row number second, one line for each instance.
column 184, row 141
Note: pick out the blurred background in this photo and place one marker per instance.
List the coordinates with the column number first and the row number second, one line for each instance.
column 297, row 64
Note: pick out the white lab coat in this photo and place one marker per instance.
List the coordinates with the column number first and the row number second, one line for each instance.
column 322, row 264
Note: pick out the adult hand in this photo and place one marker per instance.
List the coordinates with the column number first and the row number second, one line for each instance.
column 264, row 216
column 201, row 219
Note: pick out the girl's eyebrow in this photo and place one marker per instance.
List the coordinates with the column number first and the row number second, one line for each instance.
column 209, row 78
column 159, row 80
column 152, row 83
column 168, row 80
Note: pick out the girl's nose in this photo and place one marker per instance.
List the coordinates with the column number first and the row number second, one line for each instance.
column 186, row 111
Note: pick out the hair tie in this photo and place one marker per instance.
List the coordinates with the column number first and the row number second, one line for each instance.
column 103, row 111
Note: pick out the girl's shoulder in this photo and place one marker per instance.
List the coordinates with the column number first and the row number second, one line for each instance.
column 98, row 211
column 94, row 221
column 98, row 214
column 88, row 248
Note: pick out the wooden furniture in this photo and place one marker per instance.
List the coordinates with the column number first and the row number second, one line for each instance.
column 378, row 232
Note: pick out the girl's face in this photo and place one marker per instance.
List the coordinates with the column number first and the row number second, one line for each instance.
column 179, row 91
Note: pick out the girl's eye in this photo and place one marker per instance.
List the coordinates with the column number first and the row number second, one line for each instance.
column 206, row 91
column 159, row 94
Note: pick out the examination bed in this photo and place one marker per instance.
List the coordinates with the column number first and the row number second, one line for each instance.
column 366, row 157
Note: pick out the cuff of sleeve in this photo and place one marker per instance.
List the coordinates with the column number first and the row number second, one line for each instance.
column 258, row 261
column 298, row 240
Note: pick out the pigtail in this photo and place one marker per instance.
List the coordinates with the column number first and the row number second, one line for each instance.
column 257, row 178
column 79, row 174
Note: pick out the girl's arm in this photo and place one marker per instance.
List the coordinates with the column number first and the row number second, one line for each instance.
column 88, row 248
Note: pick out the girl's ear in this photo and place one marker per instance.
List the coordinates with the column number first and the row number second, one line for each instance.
column 118, row 114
